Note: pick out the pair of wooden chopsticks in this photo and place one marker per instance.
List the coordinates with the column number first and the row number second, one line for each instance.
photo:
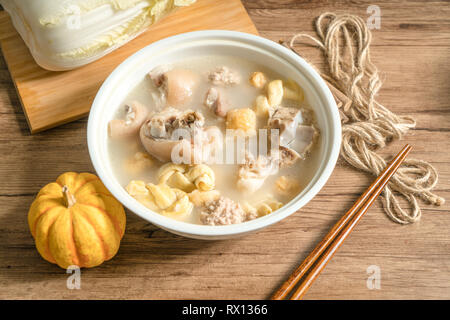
column 325, row 250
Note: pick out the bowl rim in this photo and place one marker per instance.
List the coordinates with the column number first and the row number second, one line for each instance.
column 189, row 229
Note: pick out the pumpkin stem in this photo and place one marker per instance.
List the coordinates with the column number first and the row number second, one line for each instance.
column 68, row 197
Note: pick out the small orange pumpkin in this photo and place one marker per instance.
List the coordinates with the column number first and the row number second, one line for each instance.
column 76, row 221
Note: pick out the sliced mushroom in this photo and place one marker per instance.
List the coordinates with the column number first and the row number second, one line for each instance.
column 176, row 84
column 135, row 115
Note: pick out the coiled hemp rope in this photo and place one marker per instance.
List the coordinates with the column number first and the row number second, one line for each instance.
column 345, row 41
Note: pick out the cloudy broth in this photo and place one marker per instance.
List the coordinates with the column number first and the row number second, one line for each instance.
column 242, row 95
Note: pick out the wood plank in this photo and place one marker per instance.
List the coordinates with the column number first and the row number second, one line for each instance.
column 47, row 98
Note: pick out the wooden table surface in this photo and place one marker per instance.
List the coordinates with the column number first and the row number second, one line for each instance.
column 412, row 49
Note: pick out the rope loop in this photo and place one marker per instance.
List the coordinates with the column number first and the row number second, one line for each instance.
column 345, row 41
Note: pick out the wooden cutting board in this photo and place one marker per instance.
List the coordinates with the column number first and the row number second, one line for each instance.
column 52, row 98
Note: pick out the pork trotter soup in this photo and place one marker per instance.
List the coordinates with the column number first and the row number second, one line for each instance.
column 215, row 140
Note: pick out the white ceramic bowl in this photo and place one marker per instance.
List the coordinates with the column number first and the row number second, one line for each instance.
column 176, row 48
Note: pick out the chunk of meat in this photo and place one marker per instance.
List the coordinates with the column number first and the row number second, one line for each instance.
column 189, row 119
column 254, row 172
column 161, row 137
column 296, row 137
column 222, row 211
column 306, row 136
column 160, row 125
column 157, row 74
column 224, row 76
column 177, row 85
column 286, row 119
column 135, row 115
column 288, row 157
column 215, row 102
column 163, row 124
